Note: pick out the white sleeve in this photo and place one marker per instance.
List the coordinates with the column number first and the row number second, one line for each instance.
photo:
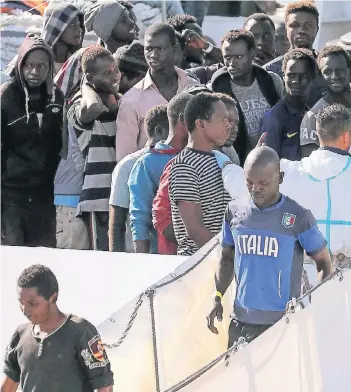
column 235, row 183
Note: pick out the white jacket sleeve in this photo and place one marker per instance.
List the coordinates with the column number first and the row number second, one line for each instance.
column 235, row 183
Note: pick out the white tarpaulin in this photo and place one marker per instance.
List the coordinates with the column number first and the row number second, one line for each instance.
column 310, row 353
column 92, row 284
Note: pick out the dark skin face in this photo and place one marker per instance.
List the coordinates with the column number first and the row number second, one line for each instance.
column 216, row 129
column 73, row 35
column 297, row 79
column 336, row 73
column 35, row 68
column 125, row 30
column 233, row 119
column 126, row 84
column 301, row 29
column 282, row 44
column 35, row 307
column 263, row 184
column 265, row 40
column 159, row 52
column 133, row 17
column 194, row 54
column 237, row 58
column 106, row 76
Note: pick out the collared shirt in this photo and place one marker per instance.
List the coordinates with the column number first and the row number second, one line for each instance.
column 134, row 105
column 282, row 126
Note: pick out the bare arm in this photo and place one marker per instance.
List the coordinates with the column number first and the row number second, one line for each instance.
column 8, row 385
column 223, row 279
column 324, row 264
column 117, row 228
column 91, row 105
column 225, row 273
column 191, row 214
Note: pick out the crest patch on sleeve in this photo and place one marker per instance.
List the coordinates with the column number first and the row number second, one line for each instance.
column 95, row 355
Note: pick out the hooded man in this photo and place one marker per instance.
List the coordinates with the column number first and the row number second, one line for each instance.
column 63, row 30
column 31, row 117
column 111, row 22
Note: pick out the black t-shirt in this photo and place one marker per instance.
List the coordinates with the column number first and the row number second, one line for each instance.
column 71, row 359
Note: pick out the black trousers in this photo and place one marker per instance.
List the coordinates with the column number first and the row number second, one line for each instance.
column 248, row 331
column 27, row 219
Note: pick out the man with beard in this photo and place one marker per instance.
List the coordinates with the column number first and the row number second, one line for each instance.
column 334, row 64
column 302, row 24
column 92, row 114
column 254, row 89
column 162, row 82
column 282, row 123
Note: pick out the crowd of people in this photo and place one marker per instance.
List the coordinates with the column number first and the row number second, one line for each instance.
column 126, row 146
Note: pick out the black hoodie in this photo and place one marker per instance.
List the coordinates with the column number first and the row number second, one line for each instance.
column 220, row 83
column 30, row 150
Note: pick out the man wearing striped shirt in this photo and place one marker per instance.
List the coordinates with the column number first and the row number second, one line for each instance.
column 93, row 115
column 198, row 198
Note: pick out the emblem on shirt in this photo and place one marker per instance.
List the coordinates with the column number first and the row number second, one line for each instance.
column 288, row 220
column 95, row 356
column 55, row 110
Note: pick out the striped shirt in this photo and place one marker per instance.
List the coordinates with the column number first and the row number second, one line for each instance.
column 97, row 143
column 196, row 177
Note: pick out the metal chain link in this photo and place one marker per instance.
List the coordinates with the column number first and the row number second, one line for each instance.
column 130, row 323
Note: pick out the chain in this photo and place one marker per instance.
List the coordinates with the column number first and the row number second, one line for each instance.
column 130, row 323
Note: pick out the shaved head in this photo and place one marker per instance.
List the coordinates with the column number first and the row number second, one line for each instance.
column 263, row 177
column 261, row 157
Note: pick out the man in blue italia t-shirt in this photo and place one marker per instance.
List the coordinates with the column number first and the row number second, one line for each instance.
column 266, row 238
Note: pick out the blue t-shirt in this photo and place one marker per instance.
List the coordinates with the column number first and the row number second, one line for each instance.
column 269, row 246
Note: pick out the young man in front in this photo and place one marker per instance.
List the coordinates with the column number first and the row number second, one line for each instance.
column 120, row 240
column 263, row 243
column 31, row 140
column 145, row 176
column 282, row 123
column 54, row 351
column 334, row 64
column 302, row 24
column 92, row 114
column 161, row 83
column 254, row 89
column 196, row 191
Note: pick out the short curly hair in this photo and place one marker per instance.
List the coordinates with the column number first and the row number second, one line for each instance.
column 237, row 35
column 154, row 117
column 178, row 22
column 301, row 6
column 300, row 54
column 259, row 16
column 161, row 28
column 333, row 121
column 226, row 99
column 334, row 50
column 176, row 107
column 91, row 55
column 40, row 277
column 199, row 107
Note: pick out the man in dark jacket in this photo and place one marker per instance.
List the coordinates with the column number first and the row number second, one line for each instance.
column 31, row 139
column 254, row 89
column 302, row 24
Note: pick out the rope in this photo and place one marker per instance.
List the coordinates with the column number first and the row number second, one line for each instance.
column 236, row 347
column 151, row 294
column 129, row 324
column 18, row 16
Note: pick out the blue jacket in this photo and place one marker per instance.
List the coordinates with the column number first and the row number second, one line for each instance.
column 143, row 183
